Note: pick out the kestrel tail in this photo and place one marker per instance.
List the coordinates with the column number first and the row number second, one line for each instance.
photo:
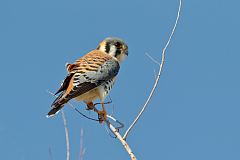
column 92, row 76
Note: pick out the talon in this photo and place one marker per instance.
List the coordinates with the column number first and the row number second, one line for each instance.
column 102, row 116
column 90, row 106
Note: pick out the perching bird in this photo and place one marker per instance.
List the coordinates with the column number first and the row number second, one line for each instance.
column 92, row 76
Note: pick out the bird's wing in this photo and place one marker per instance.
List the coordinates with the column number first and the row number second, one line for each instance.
column 89, row 72
column 65, row 83
column 85, row 74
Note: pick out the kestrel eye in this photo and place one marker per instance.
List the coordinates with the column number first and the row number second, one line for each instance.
column 118, row 45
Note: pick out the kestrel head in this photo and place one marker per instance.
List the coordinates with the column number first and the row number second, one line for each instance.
column 114, row 47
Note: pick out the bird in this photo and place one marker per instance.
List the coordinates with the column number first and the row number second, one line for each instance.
column 92, row 76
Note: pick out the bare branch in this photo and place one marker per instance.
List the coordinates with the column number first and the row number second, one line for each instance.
column 159, row 72
column 152, row 59
column 82, row 149
column 66, row 134
column 66, row 129
column 50, row 153
column 117, row 134
column 120, row 138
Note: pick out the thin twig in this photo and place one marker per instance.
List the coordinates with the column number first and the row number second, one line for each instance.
column 50, row 153
column 82, row 149
column 66, row 134
column 152, row 59
column 159, row 73
column 155, row 61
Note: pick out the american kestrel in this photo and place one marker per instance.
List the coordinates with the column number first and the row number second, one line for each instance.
column 92, row 76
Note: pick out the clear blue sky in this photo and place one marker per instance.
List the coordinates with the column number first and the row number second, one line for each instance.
column 193, row 116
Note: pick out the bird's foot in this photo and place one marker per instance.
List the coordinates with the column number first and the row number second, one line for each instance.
column 102, row 116
column 90, row 106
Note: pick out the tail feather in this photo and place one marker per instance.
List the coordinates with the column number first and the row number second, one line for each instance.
column 53, row 112
column 57, row 105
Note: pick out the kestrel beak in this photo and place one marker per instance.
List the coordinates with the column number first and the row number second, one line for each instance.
column 125, row 50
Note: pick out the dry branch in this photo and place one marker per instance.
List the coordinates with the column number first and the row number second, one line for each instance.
column 67, row 136
column 82, row 149
column 66, row 129
column 120, row 138
column 158, row 75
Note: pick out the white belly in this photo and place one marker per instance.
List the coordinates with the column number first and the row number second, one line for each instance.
column 89, row 96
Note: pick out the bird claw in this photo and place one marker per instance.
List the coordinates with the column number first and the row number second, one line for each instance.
column 90, row 106
column 102, row 116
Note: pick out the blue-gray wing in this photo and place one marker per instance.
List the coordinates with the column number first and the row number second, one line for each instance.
column 90, row 73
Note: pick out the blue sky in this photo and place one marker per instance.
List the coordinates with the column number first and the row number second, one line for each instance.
column 194, row 113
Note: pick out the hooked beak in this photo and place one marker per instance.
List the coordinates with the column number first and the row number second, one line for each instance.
column 125, row 49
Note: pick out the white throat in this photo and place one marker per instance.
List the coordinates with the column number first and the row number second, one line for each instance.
column 112, row 51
